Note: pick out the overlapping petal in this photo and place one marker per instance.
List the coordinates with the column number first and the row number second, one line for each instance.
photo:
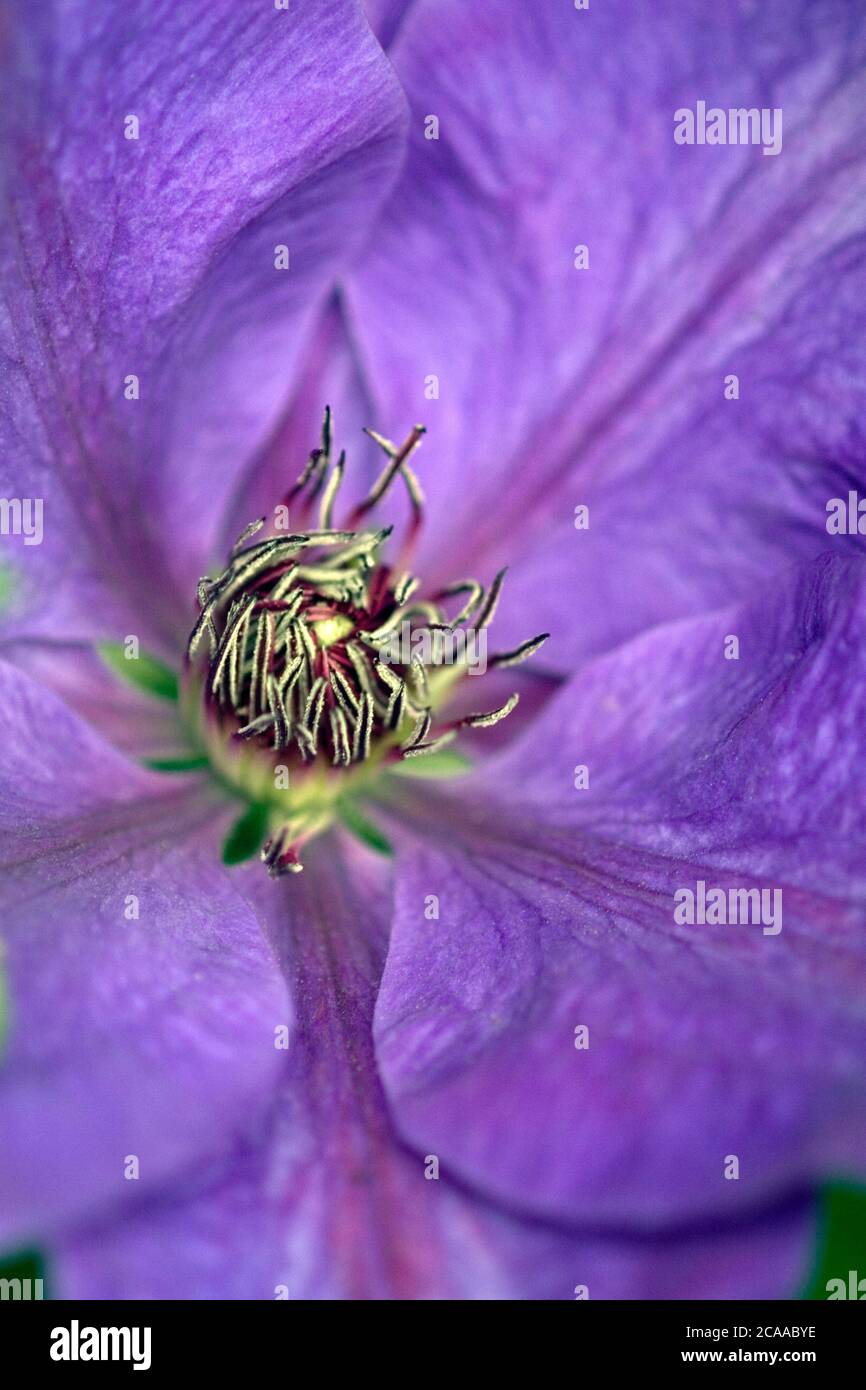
column 155, row 159
column 328, row 1204
column 386, row 16
column 236, row 1240
column 556, row 913
column 149, row 1035
column 605, row 386
column 143, row 997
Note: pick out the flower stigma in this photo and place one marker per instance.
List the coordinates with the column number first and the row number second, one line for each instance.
column 300, row 684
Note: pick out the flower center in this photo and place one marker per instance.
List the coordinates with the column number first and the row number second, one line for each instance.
column 330, row 630
column 316, row 661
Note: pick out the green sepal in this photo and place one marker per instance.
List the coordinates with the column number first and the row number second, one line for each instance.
column 448, row 763
column 362, row 828
column 841, row 1245
column 246, row 835
column 28, row 1263
column 144, row 672
column 8, row 584
column 191, row 763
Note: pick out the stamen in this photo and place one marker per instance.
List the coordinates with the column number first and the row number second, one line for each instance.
column 327, row 504
column 245, row 535
column 290, row 676
column 340, row 736
column 300, row 666
column 422, row 749
column 489, row 606
column 405, row 587
column 254, row 674
column 204, row 624
column 344, row 692
column 236, row 615
column 475, row 592
column 281, row 722
column 518, row 654
column 363, row 728
column 486, row 721
column 419, row 678
column 236, row 660
column 420, row 731
column 315, row 705
column 258, row 726
column 398, row 463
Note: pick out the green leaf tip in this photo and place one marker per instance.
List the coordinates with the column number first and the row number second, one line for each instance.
column 246, row 835
column 841, row 1245
column 25, row 1267
column 8, row 585
column 144, row 672
column 192, row 763
column 438, row 766
column 362, row 828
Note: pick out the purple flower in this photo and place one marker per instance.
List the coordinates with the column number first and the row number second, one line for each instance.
column 597, row 1023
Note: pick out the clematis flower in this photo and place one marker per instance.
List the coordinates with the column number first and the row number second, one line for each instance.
column 472, row 1050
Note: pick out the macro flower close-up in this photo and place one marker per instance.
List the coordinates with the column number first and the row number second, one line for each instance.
column 432, row 646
